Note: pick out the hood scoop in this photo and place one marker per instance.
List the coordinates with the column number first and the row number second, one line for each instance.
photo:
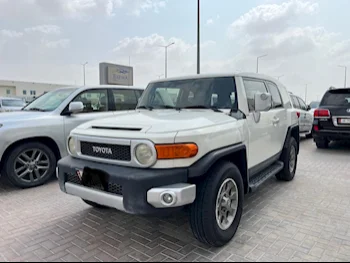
column 116, row 128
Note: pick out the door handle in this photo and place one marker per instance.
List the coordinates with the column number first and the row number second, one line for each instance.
column 275, row 120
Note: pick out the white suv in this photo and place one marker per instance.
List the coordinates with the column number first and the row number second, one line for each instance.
column 306, row 118
column 202, row 141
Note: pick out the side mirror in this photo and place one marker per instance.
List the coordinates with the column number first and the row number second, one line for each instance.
column 308, row 107
column 262, row 101
column 76, row 107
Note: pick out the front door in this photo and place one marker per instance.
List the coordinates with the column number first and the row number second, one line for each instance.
column 279, row 119
column 259, row 125
column 96, row 106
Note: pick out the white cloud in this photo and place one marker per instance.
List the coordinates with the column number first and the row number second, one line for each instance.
column 45, row 29
column 10, row 33
column 62, row 43
column 271, row 18
column 76, row 9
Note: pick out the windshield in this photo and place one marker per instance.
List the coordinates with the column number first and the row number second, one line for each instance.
column 49, row 101
column 337, row 98
column 13, row 103
column 217, row 93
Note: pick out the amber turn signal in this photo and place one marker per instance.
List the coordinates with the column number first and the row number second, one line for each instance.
column 176, row 151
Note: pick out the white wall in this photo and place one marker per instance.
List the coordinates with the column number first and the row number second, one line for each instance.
column 26, row 89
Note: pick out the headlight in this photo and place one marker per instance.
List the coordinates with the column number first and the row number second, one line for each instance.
column 71, row 146
column 145, row 155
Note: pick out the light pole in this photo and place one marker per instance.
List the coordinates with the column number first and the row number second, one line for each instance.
column 159, row 76
column 278, row 77
column 166, row 58
column 346, row 69
column 306, row 86
column 84, row 65
column 198, row 38
column 257, row 62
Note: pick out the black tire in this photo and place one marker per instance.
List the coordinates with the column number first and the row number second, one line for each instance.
column 203, row 211
column 288, row 174
column 8, row 169
column 322, row 144
column 94, row 204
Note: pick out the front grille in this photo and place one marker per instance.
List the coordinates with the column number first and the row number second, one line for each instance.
column 95, row 183
column 106, row 151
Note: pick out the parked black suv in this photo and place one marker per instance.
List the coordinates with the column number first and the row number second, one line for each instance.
column 332, row 117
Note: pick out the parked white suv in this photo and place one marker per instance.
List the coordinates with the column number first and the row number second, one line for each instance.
column 9, row 104
column 214, row 139
column 33, row 139
column 306, row 118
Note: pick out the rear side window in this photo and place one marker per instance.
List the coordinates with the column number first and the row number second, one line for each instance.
column 337, row 98
column 251, row 88
column 302, row 104
column 276, row 96
column 295, row 102
column 124, row 99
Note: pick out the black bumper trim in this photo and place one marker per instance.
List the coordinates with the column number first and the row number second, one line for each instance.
column 135, row 182
column 331, row 135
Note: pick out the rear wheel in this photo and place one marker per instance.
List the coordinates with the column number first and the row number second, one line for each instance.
column 309, row 136
column 30, row 165
column 322, row 144
column 217, row 211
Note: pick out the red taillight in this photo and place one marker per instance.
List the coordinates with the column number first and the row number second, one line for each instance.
column 298, row 114
column 322, row 113
column 316, row 128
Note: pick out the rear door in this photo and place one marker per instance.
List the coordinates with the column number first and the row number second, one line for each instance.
column 338, row 103
column 123, row 99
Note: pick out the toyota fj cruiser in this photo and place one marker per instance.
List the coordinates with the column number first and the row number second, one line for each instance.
column 202, row 142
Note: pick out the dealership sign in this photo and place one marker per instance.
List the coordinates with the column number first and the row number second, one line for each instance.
column 112, row 74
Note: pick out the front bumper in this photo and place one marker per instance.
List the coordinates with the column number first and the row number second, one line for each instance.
column 131, row 190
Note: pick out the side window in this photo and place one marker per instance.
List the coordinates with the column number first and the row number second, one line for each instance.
column 124, row 99
column 251, row 88
column 276, row 95
column 295, row 102
column 302, row 104
column 93, row 100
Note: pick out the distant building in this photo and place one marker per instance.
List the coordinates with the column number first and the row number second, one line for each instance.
column 26, row 90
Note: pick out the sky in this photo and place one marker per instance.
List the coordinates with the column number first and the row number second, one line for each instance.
column 305, row 40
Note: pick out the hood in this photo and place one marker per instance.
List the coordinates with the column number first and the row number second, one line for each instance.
column 21, row 116
column 160, row 121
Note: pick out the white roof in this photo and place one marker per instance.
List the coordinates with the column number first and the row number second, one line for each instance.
column 216, row 75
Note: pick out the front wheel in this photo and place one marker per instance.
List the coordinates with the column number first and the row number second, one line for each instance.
column 290, row 159
column 217, row 211
column 30, row 165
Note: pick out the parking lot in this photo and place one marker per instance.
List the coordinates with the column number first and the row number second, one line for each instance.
column 307, row 219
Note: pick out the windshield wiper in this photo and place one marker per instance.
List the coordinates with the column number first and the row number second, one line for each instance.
column 35, row 109
column 203, row 107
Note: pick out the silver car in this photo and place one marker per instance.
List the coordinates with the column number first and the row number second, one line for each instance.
column 8, row 104
column 34, row 139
